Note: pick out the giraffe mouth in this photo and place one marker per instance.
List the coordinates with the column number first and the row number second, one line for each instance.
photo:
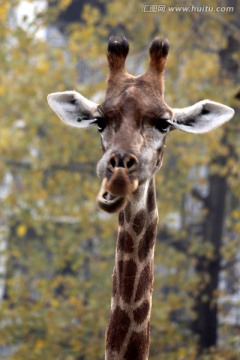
column 108, row 197
column 110, row 203
column 115, row 191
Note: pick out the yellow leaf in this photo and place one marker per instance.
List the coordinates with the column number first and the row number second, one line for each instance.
column 64, row 4
column 42, row 68
column 54, row 303
column 39, row 345
column 1, row 90
column 182, row 353
column 16, row 253
column 21, row 230
column 3, row 12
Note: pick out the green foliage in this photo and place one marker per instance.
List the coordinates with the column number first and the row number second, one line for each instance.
column 60, row 249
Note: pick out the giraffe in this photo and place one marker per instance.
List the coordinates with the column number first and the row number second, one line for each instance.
column 133, row 121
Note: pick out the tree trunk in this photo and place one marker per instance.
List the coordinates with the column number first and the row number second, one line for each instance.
column 205, row 324
column 206, row 309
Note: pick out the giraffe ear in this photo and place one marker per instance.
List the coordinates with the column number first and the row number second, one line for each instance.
column 201, row 117
column 73, row 108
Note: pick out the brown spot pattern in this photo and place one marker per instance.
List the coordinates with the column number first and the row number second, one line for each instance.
column 141, row 313
column 151, row 199
column 121, row 218
column 118, row 326
column 137, row 347
column 139, row 221
column 127, row 274
column 125, row 242
column 128, row 212
column 145, row 282
column 120, row 268
column 147, row 241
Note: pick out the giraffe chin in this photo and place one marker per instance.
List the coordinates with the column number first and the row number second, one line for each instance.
column 110, row 203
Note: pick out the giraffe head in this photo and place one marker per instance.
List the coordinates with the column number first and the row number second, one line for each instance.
column 133, row 121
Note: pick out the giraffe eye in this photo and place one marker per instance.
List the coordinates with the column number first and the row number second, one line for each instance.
column 162, row 125
column 101, row 124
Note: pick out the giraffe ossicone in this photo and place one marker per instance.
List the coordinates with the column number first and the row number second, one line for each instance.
column 133, row 121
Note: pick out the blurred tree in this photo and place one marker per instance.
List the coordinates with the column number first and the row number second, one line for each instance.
column 50, row 303
column 60, row 247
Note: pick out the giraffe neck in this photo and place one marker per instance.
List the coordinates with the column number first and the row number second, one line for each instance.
column 128, row 333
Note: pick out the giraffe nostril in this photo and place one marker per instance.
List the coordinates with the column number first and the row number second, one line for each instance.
column 113, row 162
column 130, row 163
column 127, row 161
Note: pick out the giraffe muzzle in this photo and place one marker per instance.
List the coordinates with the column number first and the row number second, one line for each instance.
column 119, row 181
column 114, row 193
